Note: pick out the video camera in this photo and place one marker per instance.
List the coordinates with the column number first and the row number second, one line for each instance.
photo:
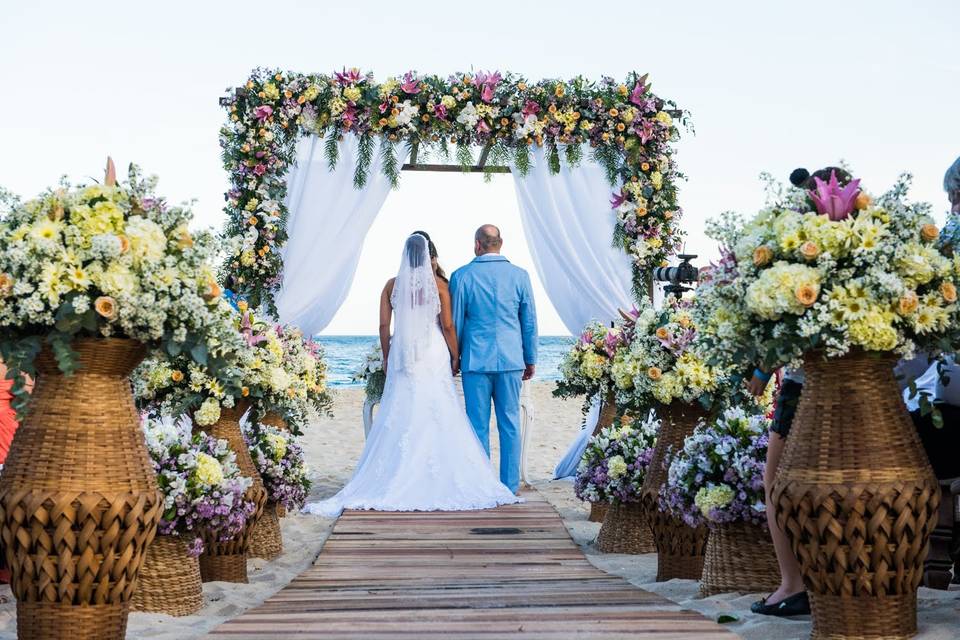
column 678, row 276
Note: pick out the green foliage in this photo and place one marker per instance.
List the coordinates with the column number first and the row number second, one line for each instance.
column 331, row 150
column 388, row 161
column 364, row 159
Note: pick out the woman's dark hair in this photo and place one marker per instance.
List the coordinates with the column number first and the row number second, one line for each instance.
column 803, row 179
column 432, row 248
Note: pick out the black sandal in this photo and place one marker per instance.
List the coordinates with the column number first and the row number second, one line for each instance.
column 796, row 605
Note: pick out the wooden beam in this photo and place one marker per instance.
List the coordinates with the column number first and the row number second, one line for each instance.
column 483, row 156
column 414, row 148
column 454, row 168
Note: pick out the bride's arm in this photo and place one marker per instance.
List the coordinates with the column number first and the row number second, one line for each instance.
column 386, row 313
column 446, row 323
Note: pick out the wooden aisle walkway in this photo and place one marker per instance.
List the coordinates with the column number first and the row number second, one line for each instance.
column 502, row 573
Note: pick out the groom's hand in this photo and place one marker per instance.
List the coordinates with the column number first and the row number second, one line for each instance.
column 529, row 371
column 455, row 365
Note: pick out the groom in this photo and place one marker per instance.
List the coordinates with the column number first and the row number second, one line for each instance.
column 496, row 323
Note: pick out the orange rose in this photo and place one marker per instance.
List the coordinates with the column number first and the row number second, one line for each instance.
column 245, row 391
column 124, row 243
column 641, row 211
column 806, row 294
column 908, row 303
column 762, row 255
column 620, row 126
column 654, row 373
column 559, row 91
column 106, row 307
column 242, row 306
column 613, row 112
column 522, row 86
column 949, row 292
column 645, row 166
column 809, row 250
column 667, row 215
column 929, row 232
column 213, row 291
column 663, row 333
column 626, row 419
column 862, row 201
column 6, row 285
column 176, row 376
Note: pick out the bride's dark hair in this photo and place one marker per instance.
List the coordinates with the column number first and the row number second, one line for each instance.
column 432, row 248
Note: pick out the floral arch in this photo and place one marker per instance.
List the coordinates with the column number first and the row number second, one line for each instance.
column 622, row 126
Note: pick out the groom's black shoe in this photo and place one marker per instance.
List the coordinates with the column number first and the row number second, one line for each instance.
column 796, row 605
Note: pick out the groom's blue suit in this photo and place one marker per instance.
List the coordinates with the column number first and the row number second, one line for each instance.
column 496, row 321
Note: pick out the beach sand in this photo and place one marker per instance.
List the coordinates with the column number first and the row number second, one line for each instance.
column 332, row 447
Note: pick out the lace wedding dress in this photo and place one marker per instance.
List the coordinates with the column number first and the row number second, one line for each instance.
column 421, row 454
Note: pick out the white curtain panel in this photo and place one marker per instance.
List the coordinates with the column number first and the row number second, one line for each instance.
column 568, row 223
column 327, row 221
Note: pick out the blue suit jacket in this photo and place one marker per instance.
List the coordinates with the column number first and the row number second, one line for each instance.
column 495, row 316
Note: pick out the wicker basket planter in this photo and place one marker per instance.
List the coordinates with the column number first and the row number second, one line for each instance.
column 170, row 579
column 273, row 419
column 227, row 561
column 857, row 498
column 598, row 511
column 680, row 547
column 79, row 502
column 739, row 558
column 266, row 541
column 626, row 530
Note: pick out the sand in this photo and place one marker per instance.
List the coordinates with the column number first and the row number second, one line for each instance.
column 332, row 448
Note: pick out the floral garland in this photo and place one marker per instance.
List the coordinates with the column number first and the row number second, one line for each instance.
column 616, row 460
column 371, row 374
column 103, row 260
column 628, row 128
column 279, row 459
column 832, row 270
column 718, row 475
column 201, row 484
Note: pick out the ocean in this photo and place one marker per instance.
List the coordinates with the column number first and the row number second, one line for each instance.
column 345, row 354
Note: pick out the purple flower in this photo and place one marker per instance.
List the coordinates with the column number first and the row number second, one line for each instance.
column 831, row 200
column 347, row 77
column 639, row 89
column 410, row 83
column 530, row 108
column 263, row 112
column 440, row 112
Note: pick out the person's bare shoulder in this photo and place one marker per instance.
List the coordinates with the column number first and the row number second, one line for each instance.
column 388, row 288
column 442, row 285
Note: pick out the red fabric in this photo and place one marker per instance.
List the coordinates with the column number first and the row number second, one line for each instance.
column 8, row 418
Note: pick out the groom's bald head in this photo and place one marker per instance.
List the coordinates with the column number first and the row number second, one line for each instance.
column 487, row 239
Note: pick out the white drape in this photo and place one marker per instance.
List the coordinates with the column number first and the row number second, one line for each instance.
column 327, row 221
column 568, row 223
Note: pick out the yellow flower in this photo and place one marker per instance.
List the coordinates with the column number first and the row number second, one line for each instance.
column 270, row 91
column 209, row 471
column 78, row 278
column 663, row 333
column 616, row 467
column 664, row 117
column 176, row 376
column 949, row 292
column 559, row 91
column 106, row 307
column 352, row 94
column 147, row 240
column 278, row 444
column 6, row 285
column 862, row 201
column 656, row 178
column 46, row 229
column 874, row 331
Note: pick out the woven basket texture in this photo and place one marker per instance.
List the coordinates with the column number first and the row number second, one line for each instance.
column 626, row 530
column 739, row 559
column 170, row 579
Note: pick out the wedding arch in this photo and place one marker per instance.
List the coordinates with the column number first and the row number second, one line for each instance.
column 312, row 158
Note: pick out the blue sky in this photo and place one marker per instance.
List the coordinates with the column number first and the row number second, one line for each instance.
column 770, row 85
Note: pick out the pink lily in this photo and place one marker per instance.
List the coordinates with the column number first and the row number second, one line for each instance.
column 246, row 329
column 263, row 112
column 646, row 131
column 260, row 169
column 482, row 126
column 530, row 108
column 636, row 96
column 440, row 111
column 383, row 107
column 486, row 94
column 410, row 84
column 347, row 77
column 831, row 200
column 617, row 200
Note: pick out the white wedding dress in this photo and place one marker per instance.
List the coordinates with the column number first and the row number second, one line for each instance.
column 422, row 453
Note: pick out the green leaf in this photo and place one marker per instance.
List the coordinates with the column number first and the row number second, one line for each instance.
column 364, row 158
column 464, row 156
column 174, row 348
column 388, row 160
column 725, row 618
column 66, row 320
column 199, row 353
column 65, row 356
column 522, row 159
column 331, row 149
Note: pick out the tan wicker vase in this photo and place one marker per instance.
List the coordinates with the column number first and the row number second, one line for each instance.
column 273, row 419
column 680, row 547
column 608, row 413
column 857, row 498
column 170, row 579
column 79, row 502
column 266, row 541
column 227, row 561
column 739, row 558
column 626, row 530
column 598, row 511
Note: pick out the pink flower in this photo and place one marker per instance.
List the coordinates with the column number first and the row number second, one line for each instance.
column 440, row 111
column 646, row 131
column 831, row 200
column 410, row 84
column 383, row 107
column 347, row 77
column 636, row 96
column 482, row 126
column 530, row 107
column 263, row 112
column 260, row 169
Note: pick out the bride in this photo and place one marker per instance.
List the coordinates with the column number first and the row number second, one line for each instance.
column 421, row 454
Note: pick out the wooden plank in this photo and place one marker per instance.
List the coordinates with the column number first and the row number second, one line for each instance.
column 501, row 573
column 454, row 168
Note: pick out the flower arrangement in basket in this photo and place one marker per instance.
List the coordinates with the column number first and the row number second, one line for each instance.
column 279, row 459
column 201, row 484
column 717, row 477
column 303, row 361
column 615, row 461
column 845, row 284
column 371, row 374
column 102, row 260
column 586, row 368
